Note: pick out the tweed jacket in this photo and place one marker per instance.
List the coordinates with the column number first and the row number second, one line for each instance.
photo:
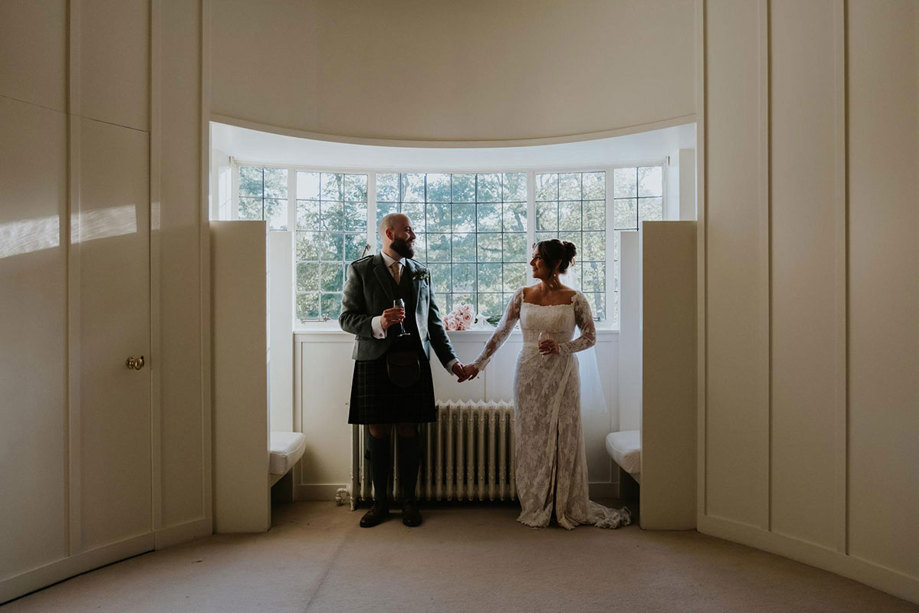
column 369, row 291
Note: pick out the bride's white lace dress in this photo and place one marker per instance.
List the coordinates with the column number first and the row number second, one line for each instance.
column 551, row 470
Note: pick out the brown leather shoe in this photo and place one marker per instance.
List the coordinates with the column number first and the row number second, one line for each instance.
column 377, row 514
column 411, row 516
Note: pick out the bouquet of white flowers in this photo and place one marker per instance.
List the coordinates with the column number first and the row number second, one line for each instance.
column 460, row 318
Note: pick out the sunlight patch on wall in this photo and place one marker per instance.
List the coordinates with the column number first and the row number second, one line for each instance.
column 104, row 223
column 28, row 235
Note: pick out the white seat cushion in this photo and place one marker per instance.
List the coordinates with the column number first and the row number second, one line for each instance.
column 625, row 449
column 286, row 450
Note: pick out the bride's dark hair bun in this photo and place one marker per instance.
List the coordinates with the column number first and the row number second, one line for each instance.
column 554, row 251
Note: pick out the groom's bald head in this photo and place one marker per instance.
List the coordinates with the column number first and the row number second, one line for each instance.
column 397, row 235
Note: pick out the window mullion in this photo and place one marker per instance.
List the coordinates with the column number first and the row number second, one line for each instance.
column 371, row 211
column 613, row 239
column 234, row 189
column 531, row 214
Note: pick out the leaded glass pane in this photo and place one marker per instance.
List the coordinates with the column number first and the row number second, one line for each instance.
column 515, row 248
column 250, row 182
column 464, row 218
column 489, row 246
column 387, row 188
column 331, row 186
column 413, row 187
column 625, row 213
column 569, row 186
column 276, row 213
column 308, row 306
column 515, row 216
column 464, row 247
column 463, row 278
column 650, row 209
column 625, row 183
column 307, row 246
column 515, row 187
column 355, row 188
column 515, row 276
column 438, row 188
column 489, row 279
column 488, row 215
column 463, row 188
column 547, row 186
column 595, row 215
column 650, row 181
column 569, row 215
column 307, row 277
column 276, row 183
column 488, row 188
column 546, row 216
column 249, row 208
column 490, row 304
column 308, row 186
column 331, row 305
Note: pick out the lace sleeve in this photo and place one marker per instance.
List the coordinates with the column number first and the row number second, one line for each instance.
column 507, row 323
column 585, row 321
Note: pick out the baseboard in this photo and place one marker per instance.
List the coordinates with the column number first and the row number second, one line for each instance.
column 181, row 533
column 49, row 574
column 317, row 491
column 327, row 491
column 603, row 489
column 877, row 576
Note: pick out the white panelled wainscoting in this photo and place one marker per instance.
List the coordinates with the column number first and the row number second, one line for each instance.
column 322, row 388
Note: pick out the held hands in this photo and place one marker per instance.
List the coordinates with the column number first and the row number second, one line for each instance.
column 391, row 316
column 464, row 372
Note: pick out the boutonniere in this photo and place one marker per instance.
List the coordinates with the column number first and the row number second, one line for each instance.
column 421, row 275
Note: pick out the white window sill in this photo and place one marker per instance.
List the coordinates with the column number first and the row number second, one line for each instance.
column 322, row 329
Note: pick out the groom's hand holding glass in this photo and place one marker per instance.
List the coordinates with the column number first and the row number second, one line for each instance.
column 396, row 315
column 392, row 316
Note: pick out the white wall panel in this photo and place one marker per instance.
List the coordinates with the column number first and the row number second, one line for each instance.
column 805, row 133
column 324, row 368
column 737, row 403
column 884, row 283
column 182, row 414
column 453, row 71
column 111, row 238
column 114, row 61
column 33, row 352
column 33, row 52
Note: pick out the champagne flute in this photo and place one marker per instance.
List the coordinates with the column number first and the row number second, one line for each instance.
column 398, row 303
column 544, row 336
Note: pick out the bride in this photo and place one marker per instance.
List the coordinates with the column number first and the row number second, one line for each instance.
column 551, row 460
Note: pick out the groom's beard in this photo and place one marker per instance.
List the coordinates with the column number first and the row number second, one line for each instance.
column 402, row 248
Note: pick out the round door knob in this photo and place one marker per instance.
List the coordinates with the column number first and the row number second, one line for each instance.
column 135, row 363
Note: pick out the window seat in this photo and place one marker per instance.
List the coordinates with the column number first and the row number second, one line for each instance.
column 625, row 449
column 286, row 449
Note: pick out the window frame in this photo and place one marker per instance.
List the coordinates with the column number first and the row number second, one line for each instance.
column 612, row 264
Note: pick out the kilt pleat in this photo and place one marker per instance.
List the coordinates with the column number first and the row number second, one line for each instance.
column 376, row 400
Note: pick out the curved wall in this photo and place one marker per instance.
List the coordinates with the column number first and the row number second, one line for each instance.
column 457, row 72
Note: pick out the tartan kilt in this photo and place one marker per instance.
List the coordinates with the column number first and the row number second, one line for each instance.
column 376, row 400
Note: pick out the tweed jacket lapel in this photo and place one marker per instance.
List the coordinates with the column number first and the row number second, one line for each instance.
column 383, row 276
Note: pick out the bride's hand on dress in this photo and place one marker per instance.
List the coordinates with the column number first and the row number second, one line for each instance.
column 548, row 347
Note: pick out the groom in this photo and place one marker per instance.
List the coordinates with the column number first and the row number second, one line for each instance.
column 392, row 384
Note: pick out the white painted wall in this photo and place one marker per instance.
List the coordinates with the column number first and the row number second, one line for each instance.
column 324, row 367
column 809, row 399
column 448, row 71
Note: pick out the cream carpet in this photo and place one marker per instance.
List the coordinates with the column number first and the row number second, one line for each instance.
column 463, row 558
